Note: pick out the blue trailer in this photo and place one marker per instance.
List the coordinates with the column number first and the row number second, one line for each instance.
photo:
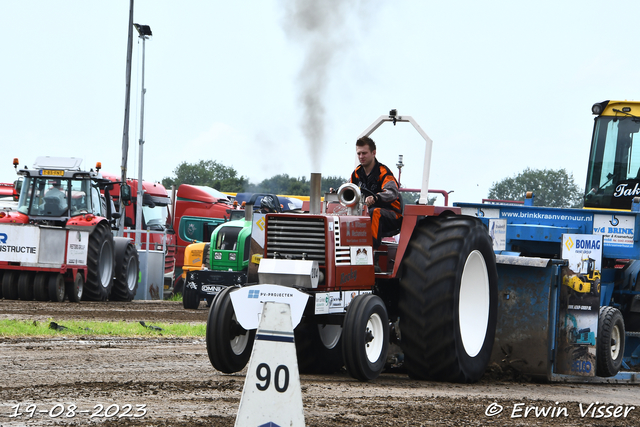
column 569, row 298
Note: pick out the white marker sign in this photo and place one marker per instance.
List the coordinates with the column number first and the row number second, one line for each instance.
column 271, row 395
column 248, row 302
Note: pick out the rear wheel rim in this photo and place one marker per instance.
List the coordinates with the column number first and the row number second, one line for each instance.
column 474, row 303
column 106, row 266
column 131, row 274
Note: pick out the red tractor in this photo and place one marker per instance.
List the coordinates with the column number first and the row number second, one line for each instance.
column 428, row 301
column 59, row 240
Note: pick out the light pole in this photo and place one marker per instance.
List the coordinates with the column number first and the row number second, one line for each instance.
column 144, row 32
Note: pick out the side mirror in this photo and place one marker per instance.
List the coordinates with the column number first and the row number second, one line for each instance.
column 125, row 194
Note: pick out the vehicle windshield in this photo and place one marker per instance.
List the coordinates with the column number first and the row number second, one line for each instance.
column 227, row 238
column 213, row 192
column 613, row 178
column 155, row 217
column 54, row 197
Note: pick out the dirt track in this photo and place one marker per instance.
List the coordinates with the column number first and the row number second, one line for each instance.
column 178, row 385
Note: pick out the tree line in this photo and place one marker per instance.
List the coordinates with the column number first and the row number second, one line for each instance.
column 552, row 188
column 224, row 178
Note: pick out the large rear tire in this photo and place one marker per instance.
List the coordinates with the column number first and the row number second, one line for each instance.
column 10, row 284
column 318, row 348
column 99, row 264
column 610, row 344
column 228, row 344
column 448, row 300
column 125, row 284
column 365, row 337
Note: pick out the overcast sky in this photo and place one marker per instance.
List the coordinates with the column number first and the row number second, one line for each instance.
column 268, row 87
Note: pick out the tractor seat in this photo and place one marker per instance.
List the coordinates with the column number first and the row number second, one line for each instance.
column 53, row 206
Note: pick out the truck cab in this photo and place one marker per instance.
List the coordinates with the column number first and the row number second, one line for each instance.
column 156, row 217
column 613, row 174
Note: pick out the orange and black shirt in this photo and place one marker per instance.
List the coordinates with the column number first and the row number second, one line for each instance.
column 381, row 182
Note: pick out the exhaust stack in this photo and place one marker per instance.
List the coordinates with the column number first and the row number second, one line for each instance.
column 314, row 196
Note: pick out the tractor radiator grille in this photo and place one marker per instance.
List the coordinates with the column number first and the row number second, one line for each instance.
column 291, row 237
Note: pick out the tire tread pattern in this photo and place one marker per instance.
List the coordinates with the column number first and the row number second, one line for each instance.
column 354, row 344
column 93, row 289
column 218, row 336
column 120, row 290
column 427, row 303
column 609, row 318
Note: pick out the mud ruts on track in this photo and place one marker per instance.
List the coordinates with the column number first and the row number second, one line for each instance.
column 174, row 381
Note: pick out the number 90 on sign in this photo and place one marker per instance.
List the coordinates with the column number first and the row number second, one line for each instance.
column 280, row 377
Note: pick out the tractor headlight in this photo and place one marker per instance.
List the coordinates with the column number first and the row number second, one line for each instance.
column 232, row 256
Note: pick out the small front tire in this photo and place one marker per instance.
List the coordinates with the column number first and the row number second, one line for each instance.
column 611, row 338
column 229, row 345
column 190, row 298
column 365, row 337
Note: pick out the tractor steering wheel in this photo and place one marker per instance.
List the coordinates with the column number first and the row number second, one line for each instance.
column 367, row 192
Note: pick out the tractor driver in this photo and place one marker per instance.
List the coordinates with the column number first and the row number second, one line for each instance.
column 385, row 205
column 56, row 193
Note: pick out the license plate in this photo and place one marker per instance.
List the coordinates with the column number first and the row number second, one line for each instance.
column 49, row 172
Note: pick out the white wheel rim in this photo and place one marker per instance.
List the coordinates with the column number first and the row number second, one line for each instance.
column 330, row 335
column 375, row 332
column 615, row 342
column 239, row 342
column 106, row 265
column 473, row 303
column 79, row 287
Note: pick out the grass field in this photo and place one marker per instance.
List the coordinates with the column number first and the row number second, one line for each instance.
column 23, row 328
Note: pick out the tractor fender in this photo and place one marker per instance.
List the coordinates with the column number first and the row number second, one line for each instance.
column 86, row 223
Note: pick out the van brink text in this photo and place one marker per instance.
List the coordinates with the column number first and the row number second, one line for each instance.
column 584, row 410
